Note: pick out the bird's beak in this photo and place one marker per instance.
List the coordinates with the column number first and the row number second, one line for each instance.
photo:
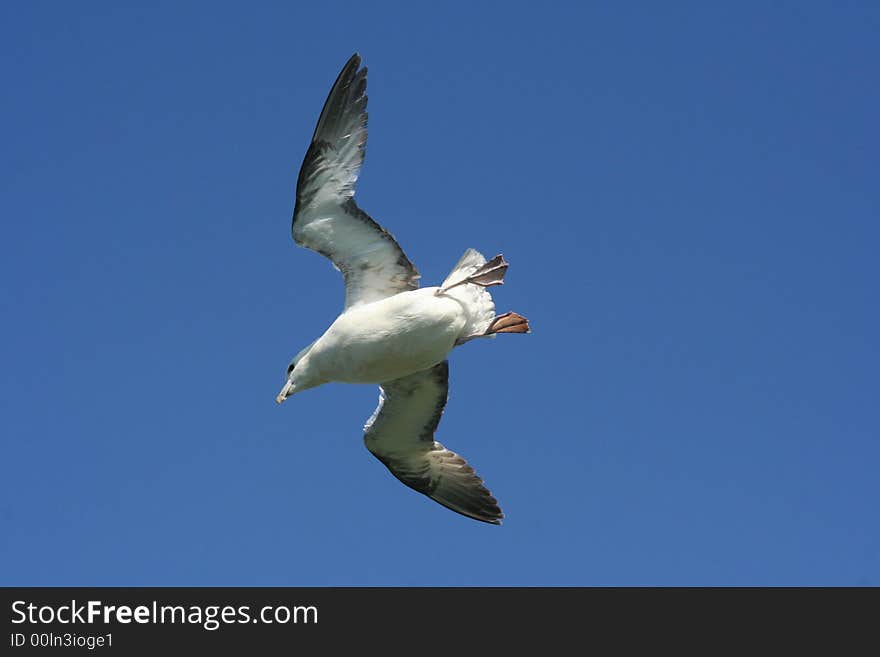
column 286, row 391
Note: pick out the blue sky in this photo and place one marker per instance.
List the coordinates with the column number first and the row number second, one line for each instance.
column 688, row 196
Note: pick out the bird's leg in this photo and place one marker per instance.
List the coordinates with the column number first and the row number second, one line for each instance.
column 508, row 323
column 489, row 274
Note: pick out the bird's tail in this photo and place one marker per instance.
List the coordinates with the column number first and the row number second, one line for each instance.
column 475, row 299
column 467, row 282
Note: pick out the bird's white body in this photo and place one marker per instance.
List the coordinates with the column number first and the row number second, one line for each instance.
column 385, row 340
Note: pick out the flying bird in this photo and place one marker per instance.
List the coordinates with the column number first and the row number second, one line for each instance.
column 391, row 332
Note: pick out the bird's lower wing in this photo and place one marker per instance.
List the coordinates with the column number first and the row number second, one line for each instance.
column 401, row 435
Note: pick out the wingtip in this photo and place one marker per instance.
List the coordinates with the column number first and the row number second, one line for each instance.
column 496, row 518
column 492, row 516
column 462, row 490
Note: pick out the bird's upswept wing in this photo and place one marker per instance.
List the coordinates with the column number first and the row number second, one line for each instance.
column 326, row 219
column 401, row 435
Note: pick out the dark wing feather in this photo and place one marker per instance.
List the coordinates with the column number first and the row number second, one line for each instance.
column 401, row 435
column 326, row 219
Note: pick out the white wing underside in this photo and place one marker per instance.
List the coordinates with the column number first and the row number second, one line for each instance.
column 401, row 435
column 326, row 218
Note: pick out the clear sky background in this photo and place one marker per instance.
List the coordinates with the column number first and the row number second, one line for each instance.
column 688, row 196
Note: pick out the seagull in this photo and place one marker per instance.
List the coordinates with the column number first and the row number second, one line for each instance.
column 391, row 332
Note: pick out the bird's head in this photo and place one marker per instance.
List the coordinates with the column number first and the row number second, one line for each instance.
column 289, row 387
column 297, row 376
